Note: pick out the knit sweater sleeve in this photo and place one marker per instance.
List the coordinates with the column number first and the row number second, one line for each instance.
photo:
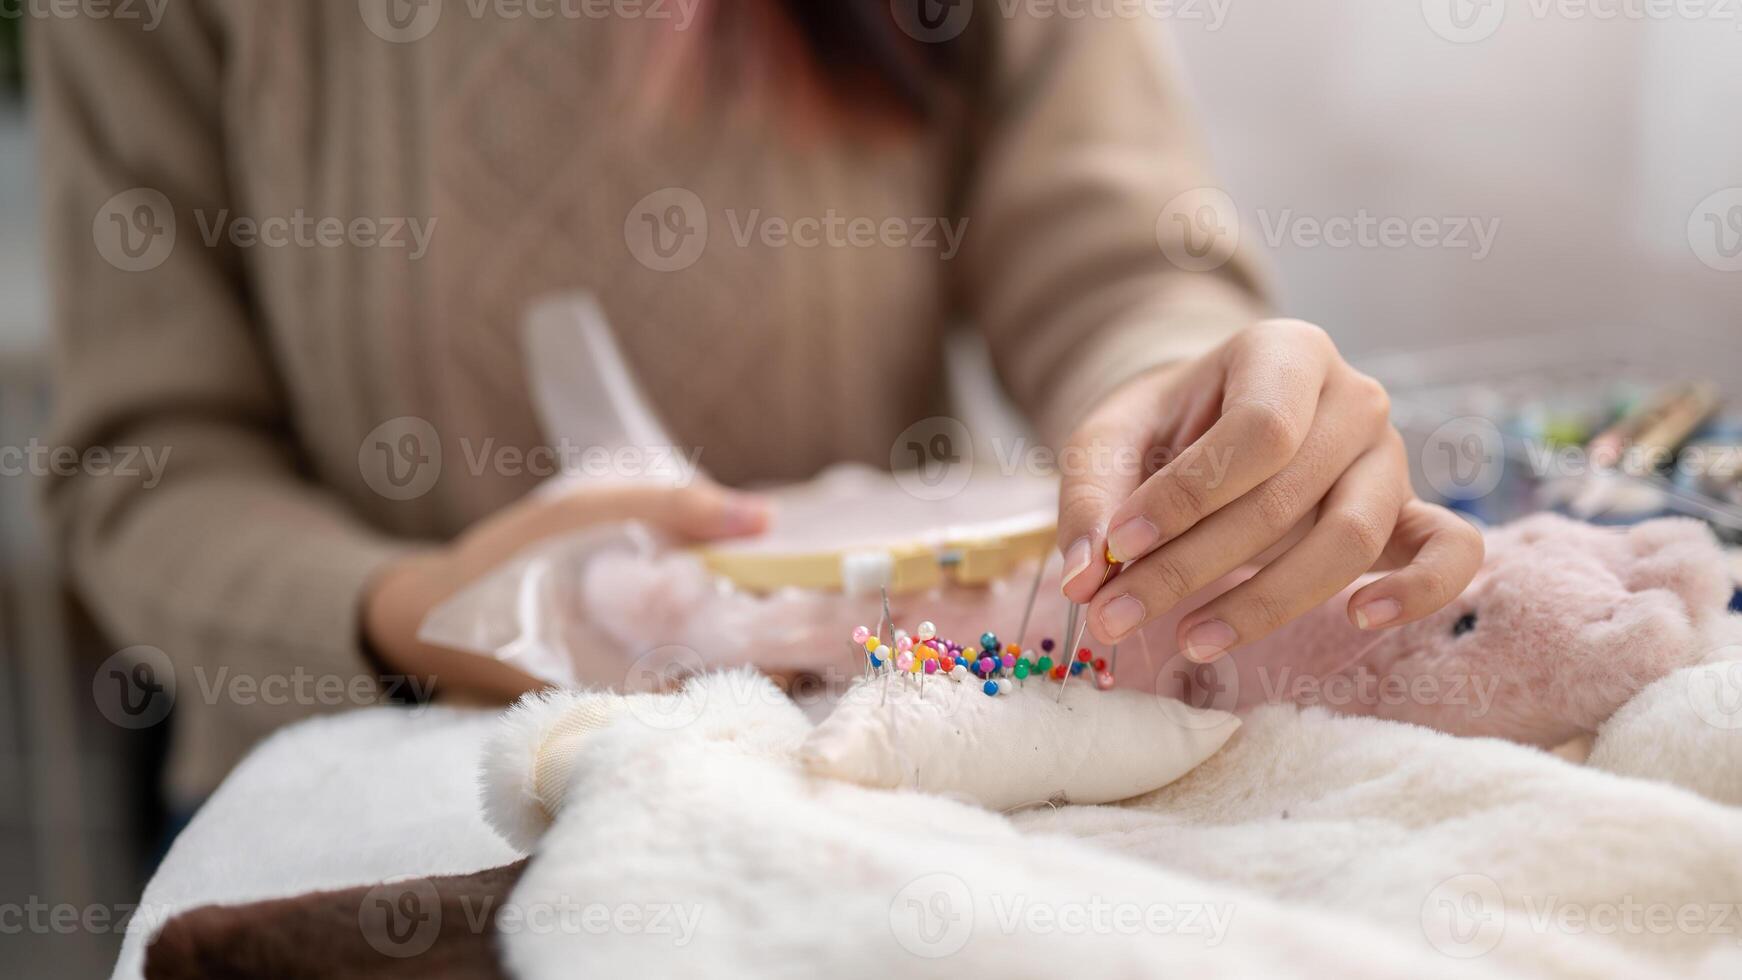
column 177, row 498
column 1098, row 244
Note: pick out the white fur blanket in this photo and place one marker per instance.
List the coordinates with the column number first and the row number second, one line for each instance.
column 1310, row 846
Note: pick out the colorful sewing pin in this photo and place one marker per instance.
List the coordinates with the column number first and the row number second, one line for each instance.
column 927, row 631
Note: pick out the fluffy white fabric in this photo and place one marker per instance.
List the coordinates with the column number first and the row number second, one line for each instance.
column 1033, row 744
column 1310, row 845
column 331, row 803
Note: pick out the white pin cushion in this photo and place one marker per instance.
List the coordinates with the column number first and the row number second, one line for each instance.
column 1028, row 746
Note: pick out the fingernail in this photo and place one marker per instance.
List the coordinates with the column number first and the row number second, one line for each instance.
column 1377, row 613
column 742, row 515
column 1076, row 561
column 1132, row 539
column 1121, row 616
column 1209, row 640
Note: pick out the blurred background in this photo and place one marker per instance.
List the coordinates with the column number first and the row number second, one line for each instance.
column 1584, row 151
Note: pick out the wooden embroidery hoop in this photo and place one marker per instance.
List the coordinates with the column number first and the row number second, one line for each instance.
column 905, row 541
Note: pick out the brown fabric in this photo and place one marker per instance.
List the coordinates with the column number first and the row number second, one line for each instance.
column 265, row 372
column 427, row 927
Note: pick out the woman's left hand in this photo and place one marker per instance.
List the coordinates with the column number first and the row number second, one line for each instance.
column 1190, row 471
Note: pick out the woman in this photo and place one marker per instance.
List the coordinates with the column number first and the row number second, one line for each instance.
column 275, row 338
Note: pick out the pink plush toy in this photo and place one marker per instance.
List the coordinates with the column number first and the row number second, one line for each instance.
column 1564, row 624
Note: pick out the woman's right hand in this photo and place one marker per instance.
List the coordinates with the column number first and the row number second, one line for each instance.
column 399, row 599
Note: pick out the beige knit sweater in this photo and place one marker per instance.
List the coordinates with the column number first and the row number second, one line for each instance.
column 510, row 144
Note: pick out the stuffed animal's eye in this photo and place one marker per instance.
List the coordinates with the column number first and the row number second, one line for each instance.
column 1465, row 624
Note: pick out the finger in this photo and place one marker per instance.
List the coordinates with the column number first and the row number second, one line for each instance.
column 1353, row 526
column 1271, row 395
column 1441, row 553
column 1236, row 534
column 1088, row 490
column 701, row 511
